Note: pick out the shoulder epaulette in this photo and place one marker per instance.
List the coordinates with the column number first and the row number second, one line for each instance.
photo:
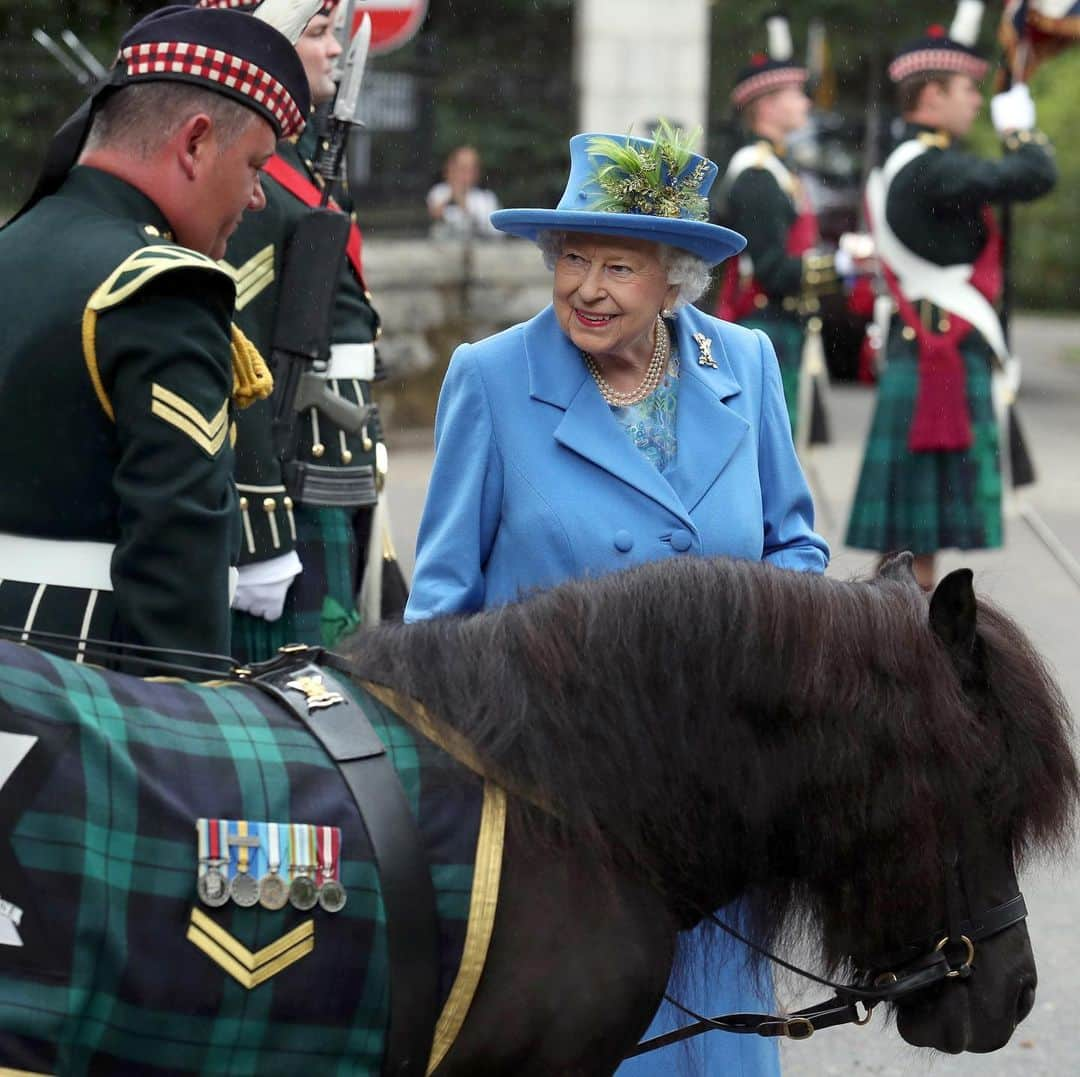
column 143, row 266
column 138, row 269
column 760, row 155
column 937, row 140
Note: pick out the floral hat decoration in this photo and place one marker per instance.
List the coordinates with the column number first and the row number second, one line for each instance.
column 644, row 188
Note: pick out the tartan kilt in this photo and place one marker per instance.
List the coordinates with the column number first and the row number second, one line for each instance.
column 98, row 852
column 332, row 545
column 928, row 501
column 787, row 336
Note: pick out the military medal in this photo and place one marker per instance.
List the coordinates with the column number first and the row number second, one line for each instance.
column 212, row 885
column 331, row 892
column 273, row 893
column 243, row 888
column 303, row 891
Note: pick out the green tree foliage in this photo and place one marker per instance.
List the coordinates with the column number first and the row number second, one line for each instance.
column 500, row 75
column 1047, row 233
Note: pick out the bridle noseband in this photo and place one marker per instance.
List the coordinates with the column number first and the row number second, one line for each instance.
column 899, row 974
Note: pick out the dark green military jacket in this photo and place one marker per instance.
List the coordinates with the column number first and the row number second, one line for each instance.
column 255, row 257
column 115, row 414
column 935, row 203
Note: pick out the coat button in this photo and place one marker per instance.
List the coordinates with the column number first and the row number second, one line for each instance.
column 681, row 540
column 624, row 541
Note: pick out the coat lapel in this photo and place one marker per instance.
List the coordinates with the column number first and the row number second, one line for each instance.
column 558, row 376
column 708, row 431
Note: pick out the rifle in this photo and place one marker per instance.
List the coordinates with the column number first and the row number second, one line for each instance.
column 313, row 262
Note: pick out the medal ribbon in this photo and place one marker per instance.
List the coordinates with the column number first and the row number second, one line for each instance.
column 299, row 845
column 273, row 852
column 203, row 829
column 241, row 832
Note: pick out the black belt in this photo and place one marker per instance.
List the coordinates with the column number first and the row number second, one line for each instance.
column 346, row 733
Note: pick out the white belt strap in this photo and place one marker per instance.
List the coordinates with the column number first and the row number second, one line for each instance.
column 56, row 562
column 348, row 361
column 947, row 287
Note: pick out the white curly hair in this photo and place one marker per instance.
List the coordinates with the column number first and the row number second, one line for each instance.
column 684, row 269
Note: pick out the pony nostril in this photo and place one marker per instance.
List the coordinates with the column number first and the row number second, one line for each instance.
column 1025, row 1001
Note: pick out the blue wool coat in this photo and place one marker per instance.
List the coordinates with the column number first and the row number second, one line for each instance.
column 535, row 482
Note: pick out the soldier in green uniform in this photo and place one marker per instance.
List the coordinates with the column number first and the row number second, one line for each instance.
column 774, row 284
column 305, row 546
column 931, row 474
column 119, row 365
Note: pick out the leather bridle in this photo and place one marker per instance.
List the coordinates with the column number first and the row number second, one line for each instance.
column 895, row 976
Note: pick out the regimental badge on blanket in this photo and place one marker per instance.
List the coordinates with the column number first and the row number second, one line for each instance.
column 269, row 864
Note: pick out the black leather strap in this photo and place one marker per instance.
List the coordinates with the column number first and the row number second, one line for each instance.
column 346, row 733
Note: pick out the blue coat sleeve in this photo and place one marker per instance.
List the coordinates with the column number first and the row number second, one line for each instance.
column 786, row 505
column 464, row 498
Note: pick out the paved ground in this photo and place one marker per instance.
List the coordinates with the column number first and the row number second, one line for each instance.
column 1023, row 578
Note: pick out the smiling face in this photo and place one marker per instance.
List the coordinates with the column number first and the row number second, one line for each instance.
column 608, row 292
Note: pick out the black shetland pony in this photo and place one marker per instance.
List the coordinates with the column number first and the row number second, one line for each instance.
column 856, row 760
column 705, row 729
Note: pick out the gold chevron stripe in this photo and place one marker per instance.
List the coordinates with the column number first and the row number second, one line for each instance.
column 253, row 276
column 5, row 1072
column 251, row 287
column 210, row 446
column 208, row 434
column 247, row 968
column 256, row 262
column 210, row 427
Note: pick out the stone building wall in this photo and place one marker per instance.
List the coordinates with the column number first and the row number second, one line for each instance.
column 432, row 296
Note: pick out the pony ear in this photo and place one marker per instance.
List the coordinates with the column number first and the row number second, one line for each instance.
column 900, row 568
column 952, row 611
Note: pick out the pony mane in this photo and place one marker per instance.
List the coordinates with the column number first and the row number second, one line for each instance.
column 724, row 727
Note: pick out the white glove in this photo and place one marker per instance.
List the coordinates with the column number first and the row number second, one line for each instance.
column 262, row 586
column 853, row 253
column 1013, row 110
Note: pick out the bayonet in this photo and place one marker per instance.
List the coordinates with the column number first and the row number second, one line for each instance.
column 345, row 112
column 341, row 28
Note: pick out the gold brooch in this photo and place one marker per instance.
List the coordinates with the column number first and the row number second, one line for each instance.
column 315, row 693
column 705, row 348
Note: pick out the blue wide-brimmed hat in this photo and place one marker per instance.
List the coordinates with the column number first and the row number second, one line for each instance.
column 643, row 188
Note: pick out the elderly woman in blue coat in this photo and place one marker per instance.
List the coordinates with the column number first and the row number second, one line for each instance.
column 619, row 425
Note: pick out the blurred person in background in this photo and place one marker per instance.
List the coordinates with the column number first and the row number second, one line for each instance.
column 458, row 207
column 931, row 475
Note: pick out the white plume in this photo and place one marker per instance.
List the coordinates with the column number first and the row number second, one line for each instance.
column 290, row 17
column 965, row 27
column 779, row 31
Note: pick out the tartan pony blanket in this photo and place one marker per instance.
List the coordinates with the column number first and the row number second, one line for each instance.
column 114, row 955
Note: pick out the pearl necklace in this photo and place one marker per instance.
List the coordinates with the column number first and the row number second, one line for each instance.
column 654, row 373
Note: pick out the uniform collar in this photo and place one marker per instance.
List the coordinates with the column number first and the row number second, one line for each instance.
column 107, row 192
column 932, row 136
column 708, row 431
